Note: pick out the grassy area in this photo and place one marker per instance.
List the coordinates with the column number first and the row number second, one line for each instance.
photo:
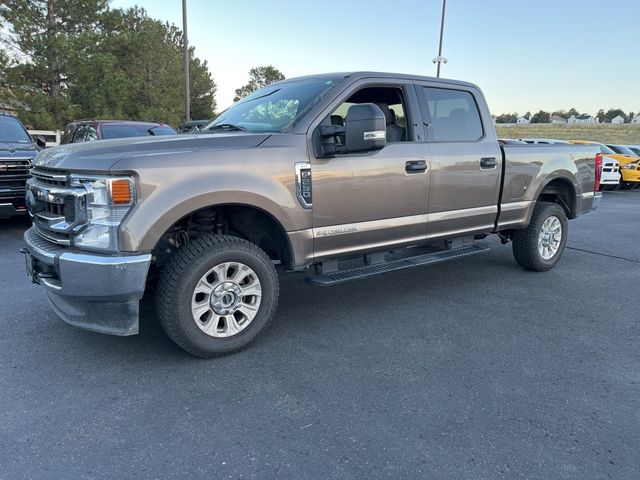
column 626, row 134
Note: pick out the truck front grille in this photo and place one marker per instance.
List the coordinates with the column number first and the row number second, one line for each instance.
column 58, row 210
column 14, row 173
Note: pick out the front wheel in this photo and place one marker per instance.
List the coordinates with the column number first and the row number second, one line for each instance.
column 216, row 294
column 539, row 246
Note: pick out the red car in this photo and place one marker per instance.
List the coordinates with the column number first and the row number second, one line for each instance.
column 89, row 130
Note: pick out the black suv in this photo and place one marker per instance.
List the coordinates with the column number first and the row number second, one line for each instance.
column 17, row 149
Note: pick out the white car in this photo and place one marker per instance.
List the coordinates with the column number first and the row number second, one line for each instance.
column 610, row 177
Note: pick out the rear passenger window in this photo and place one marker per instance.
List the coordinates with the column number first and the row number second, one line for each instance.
column 453, row 115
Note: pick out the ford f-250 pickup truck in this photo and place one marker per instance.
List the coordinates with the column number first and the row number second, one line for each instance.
column 342, row 175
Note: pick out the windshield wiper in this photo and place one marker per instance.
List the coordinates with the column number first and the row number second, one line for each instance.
column 229, row 127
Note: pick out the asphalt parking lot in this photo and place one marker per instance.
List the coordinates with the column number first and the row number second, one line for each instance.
column 471, row 369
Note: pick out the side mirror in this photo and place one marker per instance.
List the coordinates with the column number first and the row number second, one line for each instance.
column 41, row 142
column 365, row 128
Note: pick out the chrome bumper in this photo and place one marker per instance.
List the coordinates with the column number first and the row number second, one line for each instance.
column 96, row 292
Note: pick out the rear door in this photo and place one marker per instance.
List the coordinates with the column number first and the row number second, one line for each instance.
column 466, row 161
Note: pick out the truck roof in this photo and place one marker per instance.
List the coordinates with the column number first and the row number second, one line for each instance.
column 367, row 74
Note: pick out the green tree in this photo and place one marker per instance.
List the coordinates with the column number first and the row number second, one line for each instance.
column 613, row 113
column 111, row 64
column 258, row 77
column 560, row 113
column 600, row 115
column 541, row 117
column 135, row 72
column 40, row 36
column 573, row 111
column 527, row 115
column 630, row 116
column 507, row 118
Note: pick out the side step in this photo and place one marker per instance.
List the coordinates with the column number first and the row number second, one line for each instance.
column 340, row 276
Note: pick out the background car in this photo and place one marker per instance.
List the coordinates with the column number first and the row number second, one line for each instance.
column 634, row 148
column 193, row 126
column 90, row 130
column 629, row 167
column 624, row 150
column 610, row 176
column 17, row 149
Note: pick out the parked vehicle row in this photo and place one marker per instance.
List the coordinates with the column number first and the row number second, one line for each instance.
column 91, row 130
column 620, row 163
column 629, row 164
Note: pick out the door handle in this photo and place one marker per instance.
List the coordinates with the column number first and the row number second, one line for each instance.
column 488, row 162
column 415, row 166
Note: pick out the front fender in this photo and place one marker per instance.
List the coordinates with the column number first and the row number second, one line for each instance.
column 164, row 205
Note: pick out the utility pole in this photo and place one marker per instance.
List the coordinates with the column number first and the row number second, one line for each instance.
column 185, row 40
column 440, row 59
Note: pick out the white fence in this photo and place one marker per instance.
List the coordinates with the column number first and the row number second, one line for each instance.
column 52, row 137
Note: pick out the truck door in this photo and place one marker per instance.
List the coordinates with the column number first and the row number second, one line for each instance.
column 466, row 161
column 372, row 200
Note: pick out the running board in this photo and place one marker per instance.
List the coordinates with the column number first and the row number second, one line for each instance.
column 341, row 276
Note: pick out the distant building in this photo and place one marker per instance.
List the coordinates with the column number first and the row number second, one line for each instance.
column 522, row 120
column 619, row 119
column 558, row 119
column 582, row 118
column 636, row 119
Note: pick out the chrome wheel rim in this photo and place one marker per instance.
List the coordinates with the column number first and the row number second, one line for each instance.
column 226, row 299
column 550, row 237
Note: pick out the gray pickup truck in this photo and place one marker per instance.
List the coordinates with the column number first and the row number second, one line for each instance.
column 343, row 176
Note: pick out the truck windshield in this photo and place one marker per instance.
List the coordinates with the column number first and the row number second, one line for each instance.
column 273, row 108
column 11, row 131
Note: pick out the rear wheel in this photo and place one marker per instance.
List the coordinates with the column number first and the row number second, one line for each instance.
column 539, row 246
column 216, row 294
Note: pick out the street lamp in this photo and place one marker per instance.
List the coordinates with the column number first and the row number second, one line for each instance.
column 185, row 41
column 440, row 59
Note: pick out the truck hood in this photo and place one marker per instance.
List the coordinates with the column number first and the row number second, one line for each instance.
column 101, row 155
column 17, row 150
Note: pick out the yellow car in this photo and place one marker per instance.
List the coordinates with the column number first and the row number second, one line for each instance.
column 629, row 166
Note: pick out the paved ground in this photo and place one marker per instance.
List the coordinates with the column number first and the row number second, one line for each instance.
column 474, row 369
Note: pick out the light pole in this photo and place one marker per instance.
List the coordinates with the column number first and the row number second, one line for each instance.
column 185, row 40
column 440, row 59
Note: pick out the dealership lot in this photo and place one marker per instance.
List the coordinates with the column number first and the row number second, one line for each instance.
column 471, row 369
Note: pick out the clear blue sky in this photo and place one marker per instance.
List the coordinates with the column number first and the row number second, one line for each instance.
column 524, row 54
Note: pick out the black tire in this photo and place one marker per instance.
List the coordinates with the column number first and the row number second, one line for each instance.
column 626, row 186
column 181, row 274
column 525, row 242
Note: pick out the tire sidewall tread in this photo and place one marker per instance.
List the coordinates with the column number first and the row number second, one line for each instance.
column 185, row 268
column 525, row 241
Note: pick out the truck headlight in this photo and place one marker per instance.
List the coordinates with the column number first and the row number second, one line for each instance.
column 108, row 201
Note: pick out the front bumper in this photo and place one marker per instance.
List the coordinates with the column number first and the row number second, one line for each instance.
column 8, row 210
column 96, row 292
column 630, row 175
